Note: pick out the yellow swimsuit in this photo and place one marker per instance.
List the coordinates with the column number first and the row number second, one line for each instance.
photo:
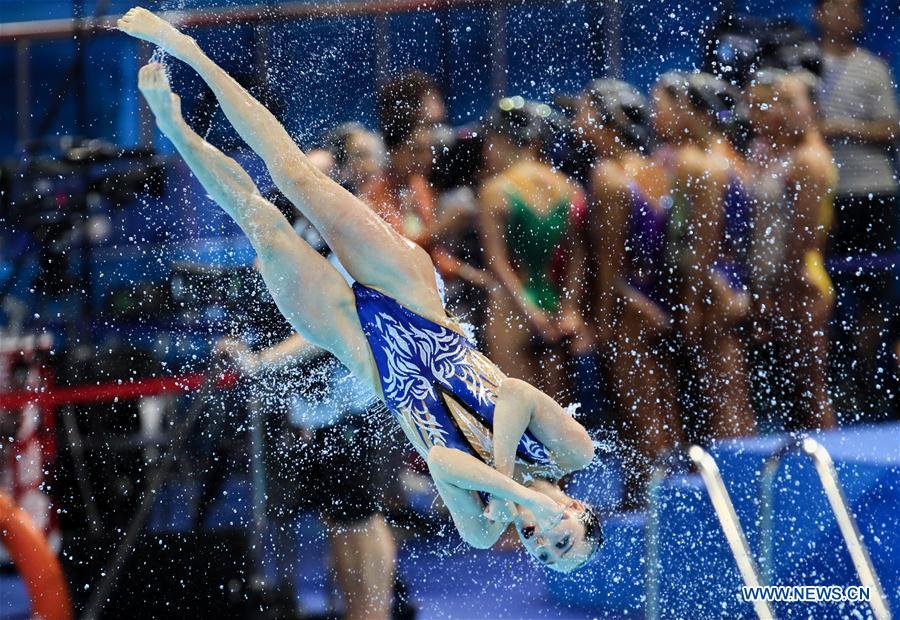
column 813, row 259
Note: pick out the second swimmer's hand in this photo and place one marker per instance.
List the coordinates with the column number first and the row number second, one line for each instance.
column 575, row 330
column 547, row 511
column 500, row 511
column 238, row 354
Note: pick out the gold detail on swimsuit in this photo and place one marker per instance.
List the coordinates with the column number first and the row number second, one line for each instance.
column 477, row 434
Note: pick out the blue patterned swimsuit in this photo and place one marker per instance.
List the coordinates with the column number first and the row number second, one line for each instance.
column 440, row 388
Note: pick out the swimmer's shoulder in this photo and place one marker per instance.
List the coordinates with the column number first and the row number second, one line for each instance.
column 609, row 177
column 813, row 160
column 692, row 162
column 493, row 193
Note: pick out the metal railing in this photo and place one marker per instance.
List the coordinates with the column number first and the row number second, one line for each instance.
column 838, row 503
column 259, row 17
column 728, row 521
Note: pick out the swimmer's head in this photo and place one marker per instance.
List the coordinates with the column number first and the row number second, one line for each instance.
column 358, row 154
column 781, row 102
column 514, row 126
column 569, row 545
column 407, row 101
column 694, row 105
column 670, row 105
column 613, row 110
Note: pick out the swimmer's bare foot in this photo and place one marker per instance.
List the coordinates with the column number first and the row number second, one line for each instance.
column 142, row 24
column 166, row 105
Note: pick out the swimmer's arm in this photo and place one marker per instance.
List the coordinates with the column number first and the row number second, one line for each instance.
column 459, row 476
column 520, row 407
column 609, row 225
column 467, row 511
column 808, row 185
column 491, row 222
column 704, row 189
column 293, row 349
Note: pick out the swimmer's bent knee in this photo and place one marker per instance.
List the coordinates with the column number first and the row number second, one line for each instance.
column 438, row 457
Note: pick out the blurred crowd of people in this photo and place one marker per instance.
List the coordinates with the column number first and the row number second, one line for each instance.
column 659, row 259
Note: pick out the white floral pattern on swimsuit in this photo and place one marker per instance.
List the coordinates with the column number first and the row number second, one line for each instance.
column 408, row 347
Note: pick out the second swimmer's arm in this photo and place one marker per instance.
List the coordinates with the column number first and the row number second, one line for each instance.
column 495, row 248
column 520, row 407
column 292, row 349
column 810, row 186
column 459, row 476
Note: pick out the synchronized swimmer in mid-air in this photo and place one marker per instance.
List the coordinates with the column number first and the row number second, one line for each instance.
column 496, row 446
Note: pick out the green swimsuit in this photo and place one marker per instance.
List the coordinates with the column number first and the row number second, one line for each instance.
column 533, row 239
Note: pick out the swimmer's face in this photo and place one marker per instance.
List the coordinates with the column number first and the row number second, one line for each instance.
column 562, row 548
column 591, row 127
column 499, row 152
column 667, row 113
column 422, row 145
column 365, row 156
column 432, row 110
column 765, row 115
column 797, row 112
column 783, row 107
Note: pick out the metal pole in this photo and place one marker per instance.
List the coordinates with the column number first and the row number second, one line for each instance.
column 499, row 60
column 111, row 571
column 847, row 524
column 23, row 91
column 838, row 502
column 731, row 526
column 613, row 38
column 258, row 490
column 651, row 552
column 382, row 48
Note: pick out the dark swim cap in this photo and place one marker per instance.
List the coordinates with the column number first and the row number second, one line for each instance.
column 526, row 123
column 621, row 106
column 593, row 534
column 714, row 97
column 675, row 83
column 707, row 94
column 337, row 140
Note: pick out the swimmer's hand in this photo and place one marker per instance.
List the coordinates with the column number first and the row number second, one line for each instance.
column 547, row 511
column 238, row 354
column 500, row 511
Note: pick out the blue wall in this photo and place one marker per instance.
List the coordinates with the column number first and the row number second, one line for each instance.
column 325, row 70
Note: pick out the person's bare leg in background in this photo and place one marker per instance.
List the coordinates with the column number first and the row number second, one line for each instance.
column 364, row 557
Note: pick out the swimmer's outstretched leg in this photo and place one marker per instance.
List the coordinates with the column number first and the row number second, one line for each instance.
column 309, row 291
column 371, row 251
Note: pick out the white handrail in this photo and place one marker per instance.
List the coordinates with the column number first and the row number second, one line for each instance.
column 847, row 524
column 731, row 526
column 728, row 521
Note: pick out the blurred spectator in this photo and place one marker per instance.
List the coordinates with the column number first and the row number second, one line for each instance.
column 860, row 122
column 706, row 284
column 409, row 107
column 630, row 314
column 531, row 218
column 410, row 110
column 322, row 455
column 793, row 189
